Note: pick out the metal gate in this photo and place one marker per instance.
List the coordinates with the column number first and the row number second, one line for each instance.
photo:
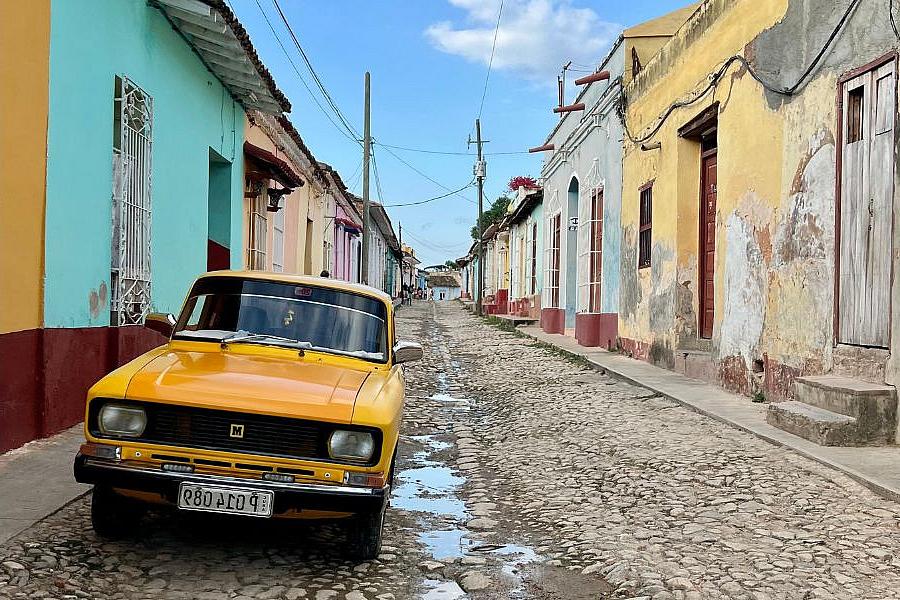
column 131, row 215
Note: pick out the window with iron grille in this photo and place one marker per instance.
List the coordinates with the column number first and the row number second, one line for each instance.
column 646, row 223
column 258, row 220
column 534, row 234
column 596, row 258
column 278, row 241
column 553, row 263
column 131, row 215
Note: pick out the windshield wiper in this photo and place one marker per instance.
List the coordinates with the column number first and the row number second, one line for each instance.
column 244, row 336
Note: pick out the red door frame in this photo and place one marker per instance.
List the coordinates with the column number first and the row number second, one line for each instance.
column 702, row 324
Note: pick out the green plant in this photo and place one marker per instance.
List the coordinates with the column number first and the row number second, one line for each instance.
column 759, row 397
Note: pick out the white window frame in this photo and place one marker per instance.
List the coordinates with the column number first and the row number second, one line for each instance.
column 258, row 228
column 278, row 241
column 130, row 269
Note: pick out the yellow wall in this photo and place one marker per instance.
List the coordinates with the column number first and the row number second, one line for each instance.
column 24, row 60
column 660, row 305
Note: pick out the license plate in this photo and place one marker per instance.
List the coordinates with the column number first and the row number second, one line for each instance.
column 217, row 499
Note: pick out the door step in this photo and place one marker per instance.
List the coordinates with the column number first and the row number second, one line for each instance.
column 831, row 410
column 815, row 424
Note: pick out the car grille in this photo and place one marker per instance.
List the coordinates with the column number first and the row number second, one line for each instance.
column 211, row 429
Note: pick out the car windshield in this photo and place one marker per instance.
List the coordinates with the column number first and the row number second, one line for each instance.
column 271, row 312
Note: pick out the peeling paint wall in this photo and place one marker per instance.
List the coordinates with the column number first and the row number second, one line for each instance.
column 775, row 218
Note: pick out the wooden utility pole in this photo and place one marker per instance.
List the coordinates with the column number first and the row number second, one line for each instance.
column 479, row 175
column 367, row 144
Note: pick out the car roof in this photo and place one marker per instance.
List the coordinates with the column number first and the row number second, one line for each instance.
column 335, row 284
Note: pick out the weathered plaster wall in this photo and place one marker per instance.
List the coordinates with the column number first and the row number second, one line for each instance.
column 24, row 65
column 775, row 221
column 90, row 44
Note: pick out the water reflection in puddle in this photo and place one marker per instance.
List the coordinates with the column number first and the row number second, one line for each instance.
column 442, row 590
column 446, row 544
column 430, row 489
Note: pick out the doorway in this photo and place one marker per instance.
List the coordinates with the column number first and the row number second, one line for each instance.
column 218, row 243
column 572, row 253
column 708, row 188
column 865, row 208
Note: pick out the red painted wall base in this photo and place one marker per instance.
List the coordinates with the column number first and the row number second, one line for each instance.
column 45, row 375
column 597, row 329
column 553, row 320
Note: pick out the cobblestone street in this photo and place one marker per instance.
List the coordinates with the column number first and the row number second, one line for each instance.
column 523, row 474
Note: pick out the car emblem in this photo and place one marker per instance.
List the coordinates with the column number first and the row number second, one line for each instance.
column 237, row 431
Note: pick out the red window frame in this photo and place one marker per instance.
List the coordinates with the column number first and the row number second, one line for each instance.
column 645, row 235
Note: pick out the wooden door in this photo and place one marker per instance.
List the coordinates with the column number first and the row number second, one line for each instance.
column 708, row 181
column 866, row 211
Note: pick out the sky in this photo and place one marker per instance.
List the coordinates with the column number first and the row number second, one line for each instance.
column 428, row 61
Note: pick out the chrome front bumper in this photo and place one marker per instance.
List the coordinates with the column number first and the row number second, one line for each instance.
column 288, row 496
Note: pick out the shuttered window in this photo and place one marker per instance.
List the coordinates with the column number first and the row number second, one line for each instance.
column 646, row 224
column 534, row 234
column 596, row 253
column 553, row 263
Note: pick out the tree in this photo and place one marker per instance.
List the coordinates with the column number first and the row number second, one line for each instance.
column 451, row 264
column 492, row 215
column 525, row 181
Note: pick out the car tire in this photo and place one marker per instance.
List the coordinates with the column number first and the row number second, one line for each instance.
column 365, row 534
column 113, row 516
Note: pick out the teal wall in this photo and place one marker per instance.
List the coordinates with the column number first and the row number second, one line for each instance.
column 537, row 214
column 90, row 43
column 220, row 200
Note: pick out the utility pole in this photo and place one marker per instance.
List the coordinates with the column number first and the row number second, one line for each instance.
column 367, row 144
column 479, row 175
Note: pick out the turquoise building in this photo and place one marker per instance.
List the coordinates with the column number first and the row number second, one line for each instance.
column 144, row 176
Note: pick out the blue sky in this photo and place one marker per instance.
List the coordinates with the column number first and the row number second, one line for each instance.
column 428, row 61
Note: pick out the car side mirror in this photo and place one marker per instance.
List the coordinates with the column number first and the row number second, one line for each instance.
column 161, row 323
column 407, row 352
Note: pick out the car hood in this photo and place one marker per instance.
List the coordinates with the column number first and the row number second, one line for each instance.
column 310, row 389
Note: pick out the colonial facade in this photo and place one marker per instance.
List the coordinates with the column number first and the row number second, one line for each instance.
column 758, row 239
column 124, row 150
column 582, row 175
column 525, row 224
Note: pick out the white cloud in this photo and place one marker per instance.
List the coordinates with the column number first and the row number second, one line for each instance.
column 536, row 37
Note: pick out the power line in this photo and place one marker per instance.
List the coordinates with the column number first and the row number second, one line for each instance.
column 447, row 152
column 301, row 78
column 714, row 78
column 426, row 201
column 316, row 78
column 426, row 176
column 487, row 77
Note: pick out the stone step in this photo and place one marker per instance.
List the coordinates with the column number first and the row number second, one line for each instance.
column 873, row 405
column 815, row 424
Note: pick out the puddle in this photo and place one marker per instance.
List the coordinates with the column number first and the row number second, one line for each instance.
column 430, row 489
column 441, row 397
column 447, row 544
column 435, row 445
column 442, row 590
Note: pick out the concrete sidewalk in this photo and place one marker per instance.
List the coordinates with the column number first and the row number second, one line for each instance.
column 36, row 480
column 876, row 468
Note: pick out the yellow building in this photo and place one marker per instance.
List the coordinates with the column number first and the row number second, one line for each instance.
column 757, row 211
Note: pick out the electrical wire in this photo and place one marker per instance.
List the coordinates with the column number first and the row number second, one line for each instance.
column 487, row 76
column 316, row 78
column 301, row 78
column 447, row 152
column 893, row 22
column 426, row 201
column 717, row 75
column 426, row 176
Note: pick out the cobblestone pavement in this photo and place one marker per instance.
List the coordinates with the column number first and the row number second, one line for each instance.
column 523, row 474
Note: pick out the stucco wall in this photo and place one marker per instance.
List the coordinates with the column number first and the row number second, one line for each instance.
column 595, row 160
column 91, row 43
column 24, row 65
column 775, row 220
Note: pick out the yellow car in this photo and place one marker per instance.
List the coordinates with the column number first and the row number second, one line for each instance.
column 275, row 396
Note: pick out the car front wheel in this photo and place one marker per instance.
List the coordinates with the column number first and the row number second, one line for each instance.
column 366, row 532
column 113, row 516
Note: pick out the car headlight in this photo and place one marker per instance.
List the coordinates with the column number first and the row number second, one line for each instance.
column 353, row 445
column 124, row 421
